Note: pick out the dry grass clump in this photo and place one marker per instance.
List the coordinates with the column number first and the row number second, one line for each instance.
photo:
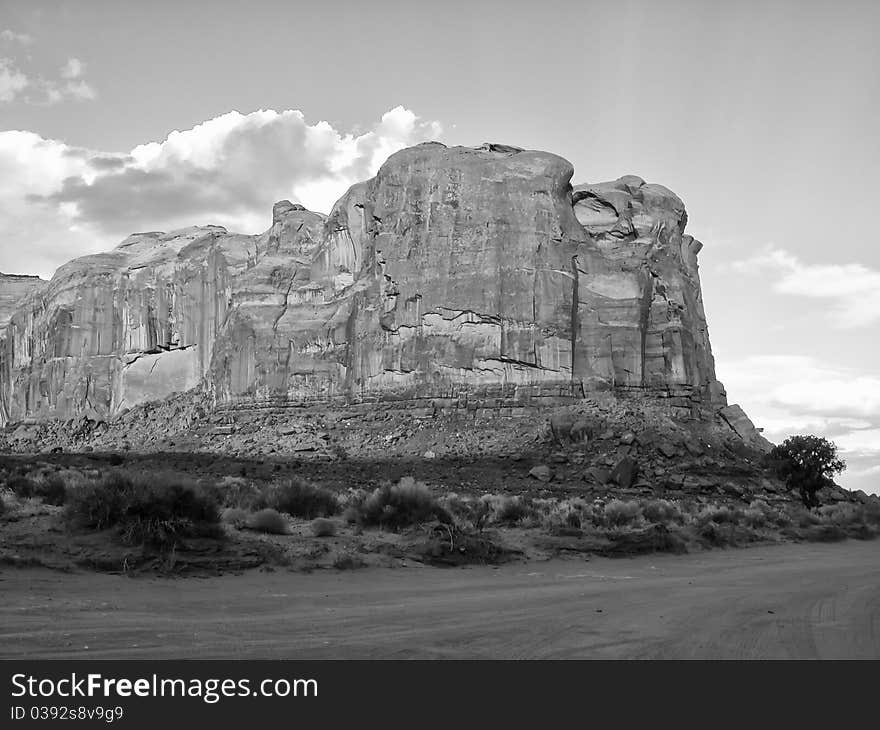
column 21, row 486
column 661, row 511
column 400, row 505
column 235, row 516
column 619, row 513
column 842, row 514
column 512, row 510
column 156, row 509
column 719, row 514
column 239, row 492
column 459, row 507
column 322, row 527
column 301, row 499
column 348, row 561
column 52, row 489
column 267, row 520
column 564, row 514
column 804, row 518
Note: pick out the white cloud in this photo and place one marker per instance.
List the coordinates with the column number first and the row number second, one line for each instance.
column 12, row 80
column 865, row 441
column 853, row 289
column 73, row 69
column 12, row 37
column 791, row 394
column 60, row 201
column 16, row 85
column 77, row 90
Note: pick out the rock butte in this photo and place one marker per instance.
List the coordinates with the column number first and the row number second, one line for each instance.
column 13, row 289
column 454, row 271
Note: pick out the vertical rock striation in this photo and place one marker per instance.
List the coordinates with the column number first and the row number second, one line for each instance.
column 13, row 290
column 452, row 270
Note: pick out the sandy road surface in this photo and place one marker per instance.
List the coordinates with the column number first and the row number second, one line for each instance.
column 799, row 601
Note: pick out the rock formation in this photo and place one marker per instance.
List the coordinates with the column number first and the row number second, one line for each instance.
column 13, row 290
column 454, row 272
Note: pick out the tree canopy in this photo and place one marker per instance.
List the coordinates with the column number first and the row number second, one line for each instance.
column 807, row 463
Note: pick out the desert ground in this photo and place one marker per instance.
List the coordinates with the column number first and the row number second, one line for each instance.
column 778, row 602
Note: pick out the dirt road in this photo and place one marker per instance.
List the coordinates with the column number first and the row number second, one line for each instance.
column 788, row 601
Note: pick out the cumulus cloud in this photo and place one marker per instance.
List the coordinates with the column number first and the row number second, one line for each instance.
column 12, row 80
column 71, row 85
column 17, row 85
column 842, row 404
column 10, row 36
column 73, row 69
column 64, row 201
column 852, row 289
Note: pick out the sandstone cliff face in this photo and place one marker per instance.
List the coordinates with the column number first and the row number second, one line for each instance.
column 451, row 271
column 14, row 288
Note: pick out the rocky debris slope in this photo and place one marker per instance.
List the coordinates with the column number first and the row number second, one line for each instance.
column 606, row 445
column 453, row 272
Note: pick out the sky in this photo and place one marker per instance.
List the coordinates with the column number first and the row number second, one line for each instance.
column 119, row 116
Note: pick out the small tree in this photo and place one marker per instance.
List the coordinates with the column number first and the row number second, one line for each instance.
column 806, row 463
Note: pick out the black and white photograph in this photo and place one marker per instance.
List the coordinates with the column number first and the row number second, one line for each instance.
column 437, row 331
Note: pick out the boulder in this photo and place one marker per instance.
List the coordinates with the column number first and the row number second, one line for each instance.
column 602, row 476
column 583, row 430
column 625, row 473
column 743, row 427
column 561, row 425
column 542, row 473
column 667, row 449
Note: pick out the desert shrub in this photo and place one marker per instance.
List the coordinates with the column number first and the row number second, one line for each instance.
column 400, row 505
column 458, row 506
column 760, row 513
column 754, row 517
column 824, row 533
column 238, row 492
column 842, row 514
column 719, row 514
column 235, row 516
column 661, row 511
column 480, row 515
column 301, row 499
column 157, row 509
column 618, row 512
column 322, row 527
column 267, row 520
column 510, row 510
column 872, row 512
column 805, row 518
column 351, row 496
column 52, row 489
column 348, row 561
column 717, row 534
column 568, row 513
column 22, row 486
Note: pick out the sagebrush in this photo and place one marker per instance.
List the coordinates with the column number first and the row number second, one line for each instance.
column 156, row 509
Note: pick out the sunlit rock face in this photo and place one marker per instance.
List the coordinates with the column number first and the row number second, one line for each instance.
column 453, row 270
column 14, row 288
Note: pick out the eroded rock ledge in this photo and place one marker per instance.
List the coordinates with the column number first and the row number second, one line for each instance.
column 451, row 273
